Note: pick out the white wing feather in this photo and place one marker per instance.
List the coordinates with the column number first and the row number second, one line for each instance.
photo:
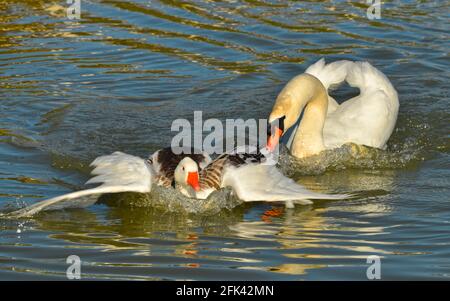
column 122, row 172
column 259, row 182
column 331, row 75
column 117, row 172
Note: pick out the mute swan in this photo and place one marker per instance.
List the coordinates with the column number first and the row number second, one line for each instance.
column 367, row 119
column 193, row 175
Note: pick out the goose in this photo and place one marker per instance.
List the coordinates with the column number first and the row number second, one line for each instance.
column 121, row 172
column 163, row 163
column 367, row 119
column 195, row 176
column 250, row 176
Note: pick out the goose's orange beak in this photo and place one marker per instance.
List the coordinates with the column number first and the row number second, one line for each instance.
column 274, row 138
column 192, row 180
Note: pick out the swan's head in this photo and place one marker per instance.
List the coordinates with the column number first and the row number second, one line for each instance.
column 186, row 173
column 283, row 116
column 289, row 105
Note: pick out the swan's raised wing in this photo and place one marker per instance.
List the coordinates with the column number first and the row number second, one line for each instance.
column 331, row 76
column 260, row 182
column 117, row 172
column 369, row 118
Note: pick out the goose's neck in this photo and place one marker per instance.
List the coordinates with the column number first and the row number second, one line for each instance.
column 311, row 95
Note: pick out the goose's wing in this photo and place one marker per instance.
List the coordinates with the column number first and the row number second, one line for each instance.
column 261, row 182
column 211, row 177
column 117, row 172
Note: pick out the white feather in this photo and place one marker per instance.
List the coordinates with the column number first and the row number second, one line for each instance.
column 123, row 172
column 331, row 76
column 366, row 119
column 260, row 182
column 117, row 172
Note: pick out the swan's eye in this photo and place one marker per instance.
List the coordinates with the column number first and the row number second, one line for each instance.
column 277, row 123
column 183, row 168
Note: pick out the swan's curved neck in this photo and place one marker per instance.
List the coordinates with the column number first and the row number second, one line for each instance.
column 310, row 94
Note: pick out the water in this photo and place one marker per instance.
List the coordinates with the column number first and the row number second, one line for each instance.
column 115, row 80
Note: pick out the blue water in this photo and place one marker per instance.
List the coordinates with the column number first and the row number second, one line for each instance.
column 116, row 79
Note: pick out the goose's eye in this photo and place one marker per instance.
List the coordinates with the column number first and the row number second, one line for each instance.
column 183, row 168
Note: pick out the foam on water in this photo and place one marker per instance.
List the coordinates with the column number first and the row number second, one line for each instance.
column 171, row 200
column 348, row 156
column 164, row 199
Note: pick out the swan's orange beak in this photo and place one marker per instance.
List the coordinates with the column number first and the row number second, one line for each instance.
column 192, row 180
column 274, row 139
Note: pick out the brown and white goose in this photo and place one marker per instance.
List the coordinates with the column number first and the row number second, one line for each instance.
column 120, row 172
column 250, row 177
column 194, row 175
column 165, row 161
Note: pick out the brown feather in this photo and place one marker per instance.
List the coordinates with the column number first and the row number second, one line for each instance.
column 169, row 161
column 211, row 176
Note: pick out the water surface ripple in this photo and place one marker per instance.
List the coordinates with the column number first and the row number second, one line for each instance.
column 115, row 80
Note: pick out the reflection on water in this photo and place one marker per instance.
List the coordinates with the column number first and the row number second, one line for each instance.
column 115, row 80
column 147, row 238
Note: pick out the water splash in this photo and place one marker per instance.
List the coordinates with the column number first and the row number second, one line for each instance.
column 349, row 156
column 164, row 199
column 171, row 200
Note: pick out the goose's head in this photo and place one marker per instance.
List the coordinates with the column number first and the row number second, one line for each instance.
column 186, row 174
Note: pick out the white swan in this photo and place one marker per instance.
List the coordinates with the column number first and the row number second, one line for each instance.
column 367, row 119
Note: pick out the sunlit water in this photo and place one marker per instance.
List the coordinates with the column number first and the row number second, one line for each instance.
column 116, row 79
